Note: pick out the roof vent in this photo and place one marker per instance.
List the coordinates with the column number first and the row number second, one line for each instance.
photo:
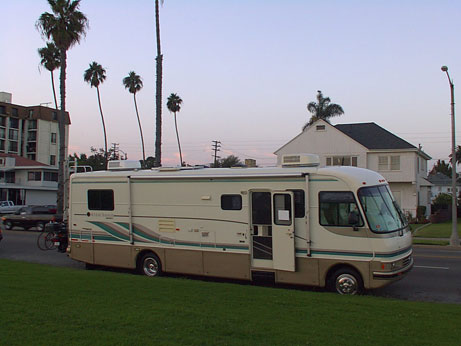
column 123, row 165
column 296, row 160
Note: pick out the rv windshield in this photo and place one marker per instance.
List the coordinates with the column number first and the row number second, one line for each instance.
column 382, row 212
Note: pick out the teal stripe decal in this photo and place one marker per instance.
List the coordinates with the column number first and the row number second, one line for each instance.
column 339, row 253
column 99, row 182
column 213, row 180
column 110, row 230
column 393, row 254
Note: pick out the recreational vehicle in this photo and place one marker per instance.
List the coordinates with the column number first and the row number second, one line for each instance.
column 338, row 227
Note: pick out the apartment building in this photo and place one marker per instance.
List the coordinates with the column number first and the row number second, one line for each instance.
column 29, row 132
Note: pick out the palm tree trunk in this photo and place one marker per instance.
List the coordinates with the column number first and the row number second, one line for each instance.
column 104, row 129
column 62, row 135
column 177, row 136
column 158, row 95
column 140, row 131
column 54, row 91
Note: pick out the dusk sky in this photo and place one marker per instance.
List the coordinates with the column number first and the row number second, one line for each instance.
column 246, row 71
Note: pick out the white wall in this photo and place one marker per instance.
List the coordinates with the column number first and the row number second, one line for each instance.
column 407, row 171
column 328, row 142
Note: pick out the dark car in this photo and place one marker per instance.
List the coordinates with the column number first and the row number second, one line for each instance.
column 30, row 216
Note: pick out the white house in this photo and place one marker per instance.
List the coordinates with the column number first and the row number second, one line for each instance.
column 440, row 184
column 369, row 146
column 25, row 181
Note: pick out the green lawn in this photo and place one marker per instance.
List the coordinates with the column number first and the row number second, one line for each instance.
column 437, row 230
column 44, row 305
column 417, row 241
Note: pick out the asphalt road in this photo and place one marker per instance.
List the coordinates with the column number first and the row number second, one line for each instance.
column 436, row 275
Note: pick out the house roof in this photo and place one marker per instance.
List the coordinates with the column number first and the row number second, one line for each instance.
column 373, row 136
column 24, row 162
column 440, row 179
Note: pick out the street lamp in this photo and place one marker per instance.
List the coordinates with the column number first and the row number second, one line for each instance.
column 454, row 239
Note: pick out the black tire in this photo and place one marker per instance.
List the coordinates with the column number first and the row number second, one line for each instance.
column 40, row 225
column 150, row 265
column 41, row 241
column 49, row 241
column 345, row 281
column 8, row 225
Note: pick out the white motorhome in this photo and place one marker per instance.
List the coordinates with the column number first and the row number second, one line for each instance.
column 300, row 224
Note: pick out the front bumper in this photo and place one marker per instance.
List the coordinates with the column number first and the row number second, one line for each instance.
column 395, row 273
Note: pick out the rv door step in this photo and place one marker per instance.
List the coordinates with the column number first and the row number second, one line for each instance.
column 263, row 276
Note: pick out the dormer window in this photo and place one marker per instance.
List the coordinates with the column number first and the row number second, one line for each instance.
column 320, row 128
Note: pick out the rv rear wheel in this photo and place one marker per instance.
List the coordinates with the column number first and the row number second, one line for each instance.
column 150, row 265
column 345, row 281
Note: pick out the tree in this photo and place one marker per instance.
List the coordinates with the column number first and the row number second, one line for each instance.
column 442, row 167
column 323, row 109
column 174, row 106
column 158, row 94
column 95, row 160
column 50, row 59
column 66, row 26
column 133, row 83
column 94, row 76
column 230, row 161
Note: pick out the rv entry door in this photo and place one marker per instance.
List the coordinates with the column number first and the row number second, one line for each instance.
column 283, row 230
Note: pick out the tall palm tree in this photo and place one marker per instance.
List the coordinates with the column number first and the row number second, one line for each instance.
column 174, row 105
column 133, row 83
column 49, row 58
column 95, row 75
column 158, row 94
column 323, row 109
column 66, row 26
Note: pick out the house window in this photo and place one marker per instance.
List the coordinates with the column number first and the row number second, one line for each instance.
column 389, row 163
column 339, row 209
column 14, row 112
column 2, row 110
column 53, row 137
column 342, row 161
column 101, row 199
column 14, row 123
column 2, row 132
column 2, row 145
column 34, row 176
column 13, row 134
column 50, row 176
column 231, row 202
column 10, row 177
column 13, row 146
column 52, row 160
column 320, row 128
column 32, row 124
column 2, row 121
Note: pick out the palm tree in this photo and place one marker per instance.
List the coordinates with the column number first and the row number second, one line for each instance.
column 95, row 75
column 66, row 26
column 158, row 94
column 133, row 83
column 322, row 110
column 49, row 58
column 174, row 105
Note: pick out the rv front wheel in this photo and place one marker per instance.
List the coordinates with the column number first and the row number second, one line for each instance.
column 346, row 281
column 150, row 265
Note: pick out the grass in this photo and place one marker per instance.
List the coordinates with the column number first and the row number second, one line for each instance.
column 44, row 305
column 417, row 241
column 437, row 230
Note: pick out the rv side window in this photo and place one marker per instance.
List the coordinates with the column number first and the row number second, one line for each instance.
column 101, row 199
column 339, row 209
column 231, row 202
column 282, row 209
column 300, row 207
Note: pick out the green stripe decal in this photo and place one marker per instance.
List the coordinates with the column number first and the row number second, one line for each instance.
column 111, row 231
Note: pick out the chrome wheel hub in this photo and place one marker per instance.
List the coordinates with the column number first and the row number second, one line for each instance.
column 346, row 284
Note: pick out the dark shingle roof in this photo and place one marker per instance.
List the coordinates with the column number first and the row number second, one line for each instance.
column 373, row 136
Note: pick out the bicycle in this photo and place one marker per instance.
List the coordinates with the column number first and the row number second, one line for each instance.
column 46, row 239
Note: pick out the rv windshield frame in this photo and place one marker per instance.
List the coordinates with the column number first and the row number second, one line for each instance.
column 381, row 210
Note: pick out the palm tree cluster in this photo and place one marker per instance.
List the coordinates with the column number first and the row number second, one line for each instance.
column 322, row 109
column 64, row 26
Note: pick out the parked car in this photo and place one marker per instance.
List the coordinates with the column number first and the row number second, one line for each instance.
column 30, row 216
column 8, row 207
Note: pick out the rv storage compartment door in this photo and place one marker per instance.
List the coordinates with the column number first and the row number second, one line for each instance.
column 283, row 230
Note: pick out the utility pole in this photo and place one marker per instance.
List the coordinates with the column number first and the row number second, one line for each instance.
column 454, row 239
column 216, row 147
